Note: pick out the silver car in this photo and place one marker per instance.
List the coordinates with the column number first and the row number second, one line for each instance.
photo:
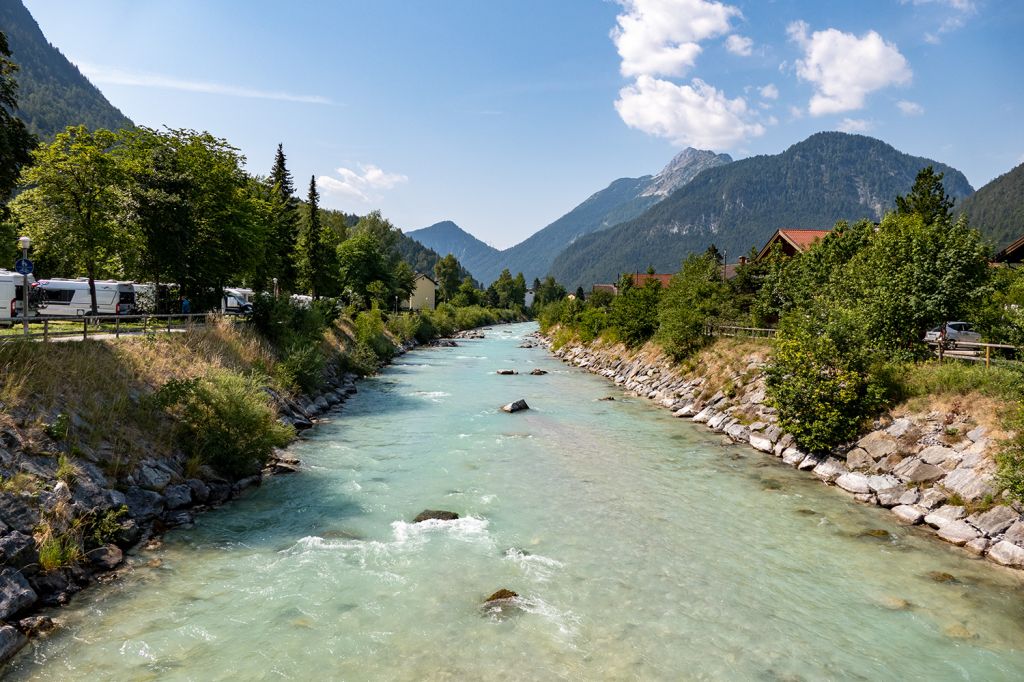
column 956, row 332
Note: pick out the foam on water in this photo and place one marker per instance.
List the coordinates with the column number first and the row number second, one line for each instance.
column 641, row 550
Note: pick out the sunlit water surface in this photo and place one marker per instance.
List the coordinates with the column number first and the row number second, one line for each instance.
column 642, row 547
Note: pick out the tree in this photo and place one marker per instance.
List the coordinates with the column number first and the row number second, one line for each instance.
column 927, row 198
column 361, row 263
column 519, row 290
column 447, row 274
column 71, row 205
column 634, row 312
column 695, row 297
column 280, row 259
column 580, row 294
column 316, row 250
column 16, row 142
column 509, row 291
column 192, row 212
column 715, row 254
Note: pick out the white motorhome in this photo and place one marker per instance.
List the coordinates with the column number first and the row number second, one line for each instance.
column 12, row 296
column 70, row 297
column 236, row 301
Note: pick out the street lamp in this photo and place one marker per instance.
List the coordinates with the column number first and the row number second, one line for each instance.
column 24, row 243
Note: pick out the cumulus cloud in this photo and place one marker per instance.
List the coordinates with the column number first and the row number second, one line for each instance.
column 363, row 185
column 910, row 108
column 769, row 91
column 697, row 114
column 855, row 125
column 739, row 45
column 661, row 37
column 845, row 68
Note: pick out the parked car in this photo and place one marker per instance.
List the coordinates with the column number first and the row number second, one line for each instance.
column 237, row 301
column 956, row 332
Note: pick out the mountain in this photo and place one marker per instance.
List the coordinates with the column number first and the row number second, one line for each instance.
column 827, row 177
column 421, row 258
column 622, row 200
column 446, row 237
column 997, row 209
column 52, row 92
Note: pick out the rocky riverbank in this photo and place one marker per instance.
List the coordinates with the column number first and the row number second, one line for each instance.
column 934, row 469
column 124, row 514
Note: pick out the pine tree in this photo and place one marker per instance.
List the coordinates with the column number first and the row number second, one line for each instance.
column 281, row 249
column 16, row 142
column 927, row 198
column 312, row 247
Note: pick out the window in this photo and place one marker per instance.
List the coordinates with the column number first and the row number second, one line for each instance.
column 126, row 297
column 58, row 295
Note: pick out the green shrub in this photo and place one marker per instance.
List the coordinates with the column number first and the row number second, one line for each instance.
column 1010, row 456
column 369, row 332
column 820, row 380
column 58, row 550
column 634, row 313
column 302, row 366
column 696, row 297
column 226, row 420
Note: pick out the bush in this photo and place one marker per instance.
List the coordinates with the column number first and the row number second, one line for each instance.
column 1010, row 458
column 369, row 332
column 226, row 421
column 696, row 297
column 820, row 380
column 302, row 366
column 634, row 313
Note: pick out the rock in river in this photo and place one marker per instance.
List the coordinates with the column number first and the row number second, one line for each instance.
column 506, row 372
column 539, row 372
column 441, row 515
column 501, row 602
column 516, row 406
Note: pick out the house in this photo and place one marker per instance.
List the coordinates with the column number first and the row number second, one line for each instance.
column 792, row 242
column 610, row 288
column 530, row 296
column 729, row 269
column 1012, row 254
column 642, row 278
column 424, row 293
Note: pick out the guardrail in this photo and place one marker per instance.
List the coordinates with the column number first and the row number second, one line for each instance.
column 736, row 331
column 969, row 351
column 53, row 328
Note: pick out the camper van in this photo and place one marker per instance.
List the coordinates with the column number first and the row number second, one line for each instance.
column 12, row 297
column 70, row 297
column 236, row 301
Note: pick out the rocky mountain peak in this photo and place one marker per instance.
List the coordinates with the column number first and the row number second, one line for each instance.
column 682, row 168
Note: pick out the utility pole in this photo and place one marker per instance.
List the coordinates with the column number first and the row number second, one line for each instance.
column 24, row 242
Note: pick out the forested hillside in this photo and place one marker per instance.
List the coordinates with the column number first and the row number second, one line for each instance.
column 997, row 209
column 622, row 200
column 827, row 177
column 52, row 92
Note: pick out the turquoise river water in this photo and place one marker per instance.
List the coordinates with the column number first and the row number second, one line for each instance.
column 641, row 545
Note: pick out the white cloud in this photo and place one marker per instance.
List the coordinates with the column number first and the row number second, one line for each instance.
column 770, row 91
column 962, row 9
column 739, row 45
column 660, row 37
column 845, row 69
column 115, row 76
column 910, row 108
column 362, row 185
column 697, row 115
column 855, row 125
column 796, row 112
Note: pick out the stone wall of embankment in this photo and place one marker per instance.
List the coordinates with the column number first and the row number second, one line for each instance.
column 934, row 468
column 89, row 470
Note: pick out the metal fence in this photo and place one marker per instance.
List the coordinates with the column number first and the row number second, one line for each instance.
column 56, row 328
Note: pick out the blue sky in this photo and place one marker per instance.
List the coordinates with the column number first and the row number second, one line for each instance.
column 503, row 115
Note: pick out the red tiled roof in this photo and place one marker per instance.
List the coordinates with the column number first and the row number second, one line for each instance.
column 799, row 240
column 642, row 278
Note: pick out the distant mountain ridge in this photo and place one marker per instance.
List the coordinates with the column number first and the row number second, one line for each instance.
column 620, row 201
column 997, row 209
column 52, row 92
column 827, row 177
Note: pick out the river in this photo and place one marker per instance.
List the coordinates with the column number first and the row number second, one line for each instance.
column 641, row 545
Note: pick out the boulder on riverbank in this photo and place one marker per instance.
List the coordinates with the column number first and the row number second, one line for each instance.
column 516, row 406
column 439, row 514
